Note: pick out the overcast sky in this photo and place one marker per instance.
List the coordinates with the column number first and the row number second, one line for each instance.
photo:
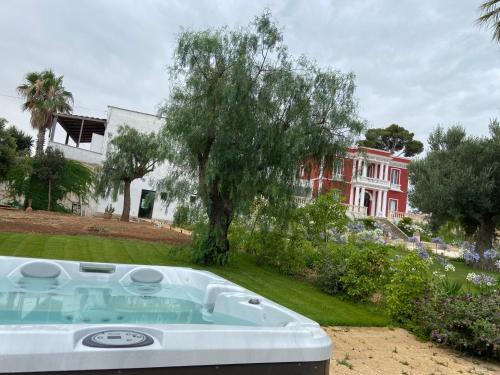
column 418, row 63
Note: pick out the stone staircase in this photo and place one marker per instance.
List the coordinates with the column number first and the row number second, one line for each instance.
column 391, row 228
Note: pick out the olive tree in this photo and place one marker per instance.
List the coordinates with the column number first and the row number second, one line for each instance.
column 459, row 179
column 241, row 117
column 130, row 155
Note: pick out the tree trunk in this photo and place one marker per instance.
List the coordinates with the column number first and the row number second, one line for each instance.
column 40, row 141
column 216, row 246
column 50, row 187
column 126, row 202
column 485, row 235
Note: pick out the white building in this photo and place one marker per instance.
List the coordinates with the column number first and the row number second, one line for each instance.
column 85, row 139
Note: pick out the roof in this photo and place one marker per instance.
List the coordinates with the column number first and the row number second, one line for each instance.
column 72, row 124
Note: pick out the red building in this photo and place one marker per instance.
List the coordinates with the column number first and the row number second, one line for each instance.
column 374, row 182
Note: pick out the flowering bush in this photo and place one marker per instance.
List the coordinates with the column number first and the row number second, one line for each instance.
column 410, row 228
column 481, row 280
column 376, row 236
column 356, row 270
column 469, row 323
column 410, row 280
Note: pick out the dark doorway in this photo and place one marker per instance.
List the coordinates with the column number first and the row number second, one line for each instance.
column 146, row 204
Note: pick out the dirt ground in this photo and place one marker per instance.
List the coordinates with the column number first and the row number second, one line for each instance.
column 56, row 223
column 370, row 351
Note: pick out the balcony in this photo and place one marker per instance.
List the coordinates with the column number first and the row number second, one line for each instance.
column 79, row 138
column 371, row 181
column 79, row 154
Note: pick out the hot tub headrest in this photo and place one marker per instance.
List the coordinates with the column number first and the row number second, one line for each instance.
column 40, row 270
column 146, row 276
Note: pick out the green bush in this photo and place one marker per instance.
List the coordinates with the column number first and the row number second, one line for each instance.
column 323, row 218
column 356, row 270
column 181, row 216
column 410, row 280
column 469, row 323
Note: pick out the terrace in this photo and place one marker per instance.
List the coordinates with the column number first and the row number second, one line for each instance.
column 79, row 138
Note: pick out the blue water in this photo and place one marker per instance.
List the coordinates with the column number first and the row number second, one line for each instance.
column 35, row 301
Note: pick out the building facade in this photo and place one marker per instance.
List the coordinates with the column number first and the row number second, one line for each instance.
column 85, row 139
column 373, row 182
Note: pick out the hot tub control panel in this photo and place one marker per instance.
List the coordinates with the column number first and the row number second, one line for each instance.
column 117, row 339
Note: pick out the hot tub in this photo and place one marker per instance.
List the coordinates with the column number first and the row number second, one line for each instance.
column 62, row 316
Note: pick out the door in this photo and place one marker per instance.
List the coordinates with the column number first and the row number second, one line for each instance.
column 146, row 204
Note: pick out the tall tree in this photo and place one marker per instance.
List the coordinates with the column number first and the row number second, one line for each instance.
column 394, row 138
column 44, row 94
column 48, row 167
column 7, row 150
column 242, row 117
column 130, row 155
column 490, row 17
column 459, row 179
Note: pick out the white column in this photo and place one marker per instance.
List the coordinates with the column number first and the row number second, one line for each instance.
column 374, row 202
column 364, row 168
column 379, row 202
column 356, row 196
column 387, row 178
column 351, row 196
column 384, row 203
column 362, row 197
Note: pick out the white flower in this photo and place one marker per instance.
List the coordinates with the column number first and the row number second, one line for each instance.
column 497, row 264
column 438, row 275
column 471, row 276
column 449, row 267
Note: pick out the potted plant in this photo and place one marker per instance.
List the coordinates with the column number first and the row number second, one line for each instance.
column 108, row 211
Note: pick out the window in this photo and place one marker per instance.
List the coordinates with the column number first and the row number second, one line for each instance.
column 338, row 167
column 395, row 176
column 393, row 205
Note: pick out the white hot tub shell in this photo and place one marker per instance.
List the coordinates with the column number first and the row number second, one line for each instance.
column 273, row 340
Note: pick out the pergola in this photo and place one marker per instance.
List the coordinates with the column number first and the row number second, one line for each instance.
column 79, row 128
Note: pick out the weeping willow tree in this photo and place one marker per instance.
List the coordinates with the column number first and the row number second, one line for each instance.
column 48, row 178
column 242, row 116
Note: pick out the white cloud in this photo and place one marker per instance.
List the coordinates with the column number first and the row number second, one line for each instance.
column 417, row 63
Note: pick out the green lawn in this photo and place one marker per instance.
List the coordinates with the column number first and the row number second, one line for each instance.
column 300, row 296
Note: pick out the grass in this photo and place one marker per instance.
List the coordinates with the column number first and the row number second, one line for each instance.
column 297, row 295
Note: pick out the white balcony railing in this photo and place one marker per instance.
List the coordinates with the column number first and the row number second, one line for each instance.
column 372, row 181
column 357, row 212
column 395, row 216
column 395, row 187
column 302, row 201
column 78, row 154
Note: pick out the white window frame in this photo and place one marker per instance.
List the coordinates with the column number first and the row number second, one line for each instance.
column 399, row 176
column 397, row 203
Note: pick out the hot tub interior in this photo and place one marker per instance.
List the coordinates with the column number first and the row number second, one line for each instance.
column 46, row 292
column 64, row 316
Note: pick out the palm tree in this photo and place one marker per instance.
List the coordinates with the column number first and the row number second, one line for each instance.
column 490, row 17
column 44, row 94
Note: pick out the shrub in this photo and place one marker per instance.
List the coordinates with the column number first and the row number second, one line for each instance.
column 411, row 278
column 356, row 270
column 469, row 323
column 323, row 218
column 369, row 223
column 181, row 216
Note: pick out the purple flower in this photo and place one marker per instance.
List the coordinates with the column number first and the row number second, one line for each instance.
column 423, row 254
column 470, row 256
column 490, row 254
column 412, row 239
column 437, row 240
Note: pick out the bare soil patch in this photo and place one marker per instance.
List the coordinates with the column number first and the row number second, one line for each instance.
column 370, row 351
column 57, row 223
